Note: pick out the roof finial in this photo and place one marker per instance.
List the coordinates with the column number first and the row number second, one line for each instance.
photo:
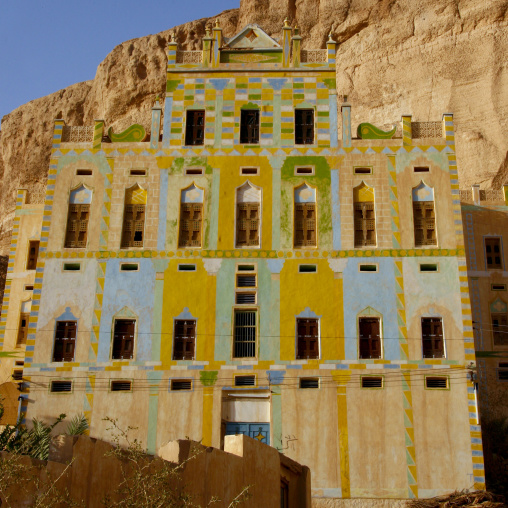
column 330, row 38
column 172, row 37
column 286, row 22
column 217, row 23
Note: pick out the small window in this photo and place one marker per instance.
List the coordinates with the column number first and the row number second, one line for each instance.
column 370, row 338
column 123, row 339
column 493, row 253
column 121, row 386
column 307, row 338
column 65, row 341
column 421, row 169
column 305, row 225
column 84, row 172
column 244, row 339
column 138, row 172
column 28, row 287
column 498, row 287
column 363, row 171
column 129, row 267
column 502, row 371
column 432, row 337
column 309, row 382
column 428, row 267
column 436, row 383
column 249, row 171
column 367, row 268
column 191, row 218
column 304, row 126
column 247, row 224
column 372, row 382
column 71, row 267
column 245, row 380
column 17, row 375
column 194, row 171
column 500, row 328
column 304, row 171
column 178, row 385
column 249, row 126
column 184, row 339
column 186, row 268
column 33, row 253
column 424, row 218
column 77, row 226
column 133, row 226
column 61, row 386
column 245, row 298
column 307, row 268
column 20, row 363
column 195, row 128
column 24, row 318
column 246, row 281
column 246, row 268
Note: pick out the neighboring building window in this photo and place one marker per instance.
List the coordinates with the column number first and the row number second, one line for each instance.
column 432, row 337
column 305, row 217
column 365, row 217
column 134, row 217
column 33, row 253
column 424, row 216
column 248, row 215
column 22, row 328
column 493, row 253
column 195, row 128
column 184, row 339
column 502, row 371
column 304, row 126
column 308, row 338
column 370, row 339
column 500, row 329
column 77, row 218
column 249, row 126
column 65, row 341
column 123, row 339
column 244, row 343
column 191, row 217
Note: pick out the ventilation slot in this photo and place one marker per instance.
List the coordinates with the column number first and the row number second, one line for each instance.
column 309, row 382
column 29, row 287
column 181, row 384
column 84, row 172
column 186, row 268
column 72, row 267
column 368, row 268
column 498, row 287
column 246, row 268
column 436, row 382
column 129, row 267
column 421, row 169
column 304, row 171
column 363, row 171
column 502, row 375
column 194, row 171
column 61, row 386
column 250, row 171
column 307, row 268
column 121, row 386
column 372, row 382
column 245, row 298
column 246, row 281
column 245, row 380
column 138, row 172
column 428, row 268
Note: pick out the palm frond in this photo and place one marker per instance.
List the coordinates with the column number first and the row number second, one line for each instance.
column 77, row 426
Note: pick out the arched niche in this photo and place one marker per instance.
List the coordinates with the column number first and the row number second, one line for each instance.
column 135, row 195
column 80, row 195
column 423, row 193
column 363, row 193
column 305, row 194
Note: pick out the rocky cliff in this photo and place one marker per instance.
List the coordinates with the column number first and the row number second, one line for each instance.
column 394, row 57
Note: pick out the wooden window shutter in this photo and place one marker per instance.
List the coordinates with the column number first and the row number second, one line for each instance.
column 370, row 340
column 493, row 253
column 33, row 254
column 185, row 339
column 500, row 329
column 247, row 224
column 432, row 338
column 23, row 328
column 191, row 217
column 308, row 346
column 249, row 126
column 304, row 126
column 123, row 339
column 305, row 225
column 65, row 341
column 133, row 226
column 424, row 223
column 365, row 224
column 195, row 128
column 77, row 226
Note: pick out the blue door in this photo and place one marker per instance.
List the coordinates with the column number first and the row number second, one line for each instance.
column 259, row 431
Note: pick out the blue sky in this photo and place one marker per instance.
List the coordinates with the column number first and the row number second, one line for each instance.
column 50, row 44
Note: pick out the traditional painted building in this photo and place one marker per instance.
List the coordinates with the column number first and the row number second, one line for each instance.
column 240, row 269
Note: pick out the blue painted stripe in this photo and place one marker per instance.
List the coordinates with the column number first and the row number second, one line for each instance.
column 195, row 367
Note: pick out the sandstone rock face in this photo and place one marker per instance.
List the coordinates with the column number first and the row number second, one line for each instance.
column 394, row 57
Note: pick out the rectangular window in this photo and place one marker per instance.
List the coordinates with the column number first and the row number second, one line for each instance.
column 365, row 224
column 194, row 171
column 186, row 268
column 428, row 267
column 498, row 287
column 245, row 298
column 493, row 253
column 432, row 337
column 181, row 385
column 195, row 128
column 307, row 268
column 129, row 267
column 121, row 386
column 123, row 339
column 304, row 126
column 421, row 169
column 84, row 172
column 61, row 386
column 65, row 341
column 305, row 225
column 304, row 171
column 137, row 172
column 370, row 339
column 249, row 171
column 77, row 226
column 133, row 226
column 309, row 382
column 436, row 383
column 424, row 223
column 502, row 371
column 500, row 329
column 191, row 216
column 249, row 126
column 247, row 224
column 245, row 380
column 244, row 340
column 33, row 253
column 372, row 382
column 185, row 339
column 363, row 171
column 17, row 375
column 71, row 267
column 28, row 287
column 367, row 268
column 308, row 338
column 22, row 328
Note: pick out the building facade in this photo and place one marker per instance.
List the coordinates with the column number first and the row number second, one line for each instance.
column 240, row 269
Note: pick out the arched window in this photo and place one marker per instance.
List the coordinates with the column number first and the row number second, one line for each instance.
column 77, row 218
column 424, row 215
column 248, row 215
column 365, row 216
column 134, row 217
column 191, row 216
column 305, row 217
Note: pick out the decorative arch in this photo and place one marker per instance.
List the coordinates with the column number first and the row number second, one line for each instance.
column 363, row 193
column 369, row 312
column 135, row 195
column 80, row 195
column 26, row 306
column 192, row 194
column 423, row 193
column 248, row 193
column 305, row 105
column 305, row 194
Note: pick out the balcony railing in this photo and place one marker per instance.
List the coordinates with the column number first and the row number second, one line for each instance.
column 427, row 129
column 77, row 134
column 191, row 57
column 314, row 55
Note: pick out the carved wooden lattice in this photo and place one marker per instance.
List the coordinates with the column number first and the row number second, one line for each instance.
column 491, row 195
column 77, row 134
column 427, row 129
column 466, row 195
column 314, row 55
column 189, row 57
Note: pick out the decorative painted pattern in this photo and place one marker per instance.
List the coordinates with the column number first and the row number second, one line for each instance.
column 407, row 134
column 132, row 134
column 98, row 131
column 369, row 131
column 412, row 476
column 106, row 207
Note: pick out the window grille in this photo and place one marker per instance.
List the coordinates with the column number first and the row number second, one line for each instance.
column 181, row 384
column 308, row 338
column 305, row 225
column 245, row 380
column 365, row 224
column 370, row 340
column 247, row 224
column 123, row 339
column 61, row 386
column 77, row 226
column 185, row 338
column 424, row 223
column 432, row 338
column 244, row 345
column 191, row 216
column 304, row 126
column 121, row 386
column 309, row 382
column 195, row 128
column 133, row 226
column 65, row 341
column 436, row 382
column 372, row 382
